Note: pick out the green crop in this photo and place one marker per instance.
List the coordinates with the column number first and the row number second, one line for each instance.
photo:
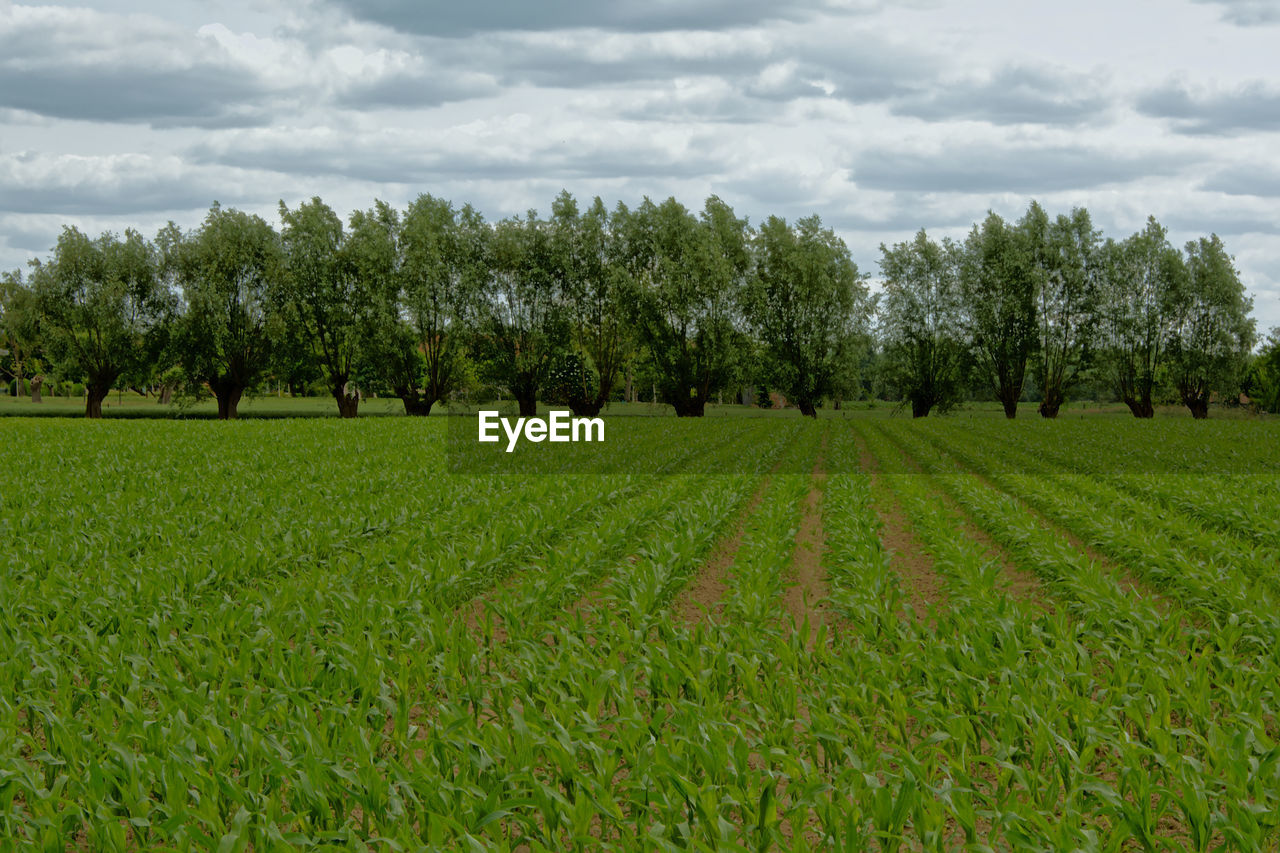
column 314, row 634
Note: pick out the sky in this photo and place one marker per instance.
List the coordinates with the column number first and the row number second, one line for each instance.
column 880, row 117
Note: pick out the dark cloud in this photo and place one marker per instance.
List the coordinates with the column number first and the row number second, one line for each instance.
column 409, row 90
column 382, row 161
column 976, row 168
column 730, row 107
column 1224, row 225
column 21, row 236
column 1241, row 180
column 439, row 18
column 1011, row 95
column 198, row 97
column 905, row 215
column 714, row 80
column 77, row 64
column 103, row 186
column 1247, row 13
column 1255, row 106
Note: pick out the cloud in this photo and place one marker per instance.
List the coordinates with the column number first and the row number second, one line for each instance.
column 722, row 77
column 1242, row 180
column 411, row 83
column 81, row 64
column 34, row 183
column 978, row 168
column 517, row 148
column 1013, row 94
column 1254, row 106
column 1246, row 13
column 1222, row 224
column 438, row 18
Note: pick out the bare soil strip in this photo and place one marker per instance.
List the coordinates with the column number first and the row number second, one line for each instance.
column 806, row 597
column 1019, row 584
column 1127, row 580
column 920, row 583
column 705, row 590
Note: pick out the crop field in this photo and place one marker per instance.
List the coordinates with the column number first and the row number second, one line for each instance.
column 860, row 633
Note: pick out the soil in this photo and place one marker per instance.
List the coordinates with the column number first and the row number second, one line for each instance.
column 922, row 586
column 705, row 591
column 805, row 597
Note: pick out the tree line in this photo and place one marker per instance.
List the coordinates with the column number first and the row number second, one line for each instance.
column 430, row 301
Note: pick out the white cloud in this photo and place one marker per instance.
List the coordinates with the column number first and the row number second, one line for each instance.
column 882, row 118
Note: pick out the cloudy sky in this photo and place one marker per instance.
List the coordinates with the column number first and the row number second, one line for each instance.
column 882, row 117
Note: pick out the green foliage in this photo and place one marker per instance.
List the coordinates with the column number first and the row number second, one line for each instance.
column 1211, row 332
column 998, row 284
column 1141, row 275
column 1262, row 383
column 324, row 293
column 571, row 382
column 809, row 306
column 103, row 309
column 1068, row 265
column 919, row 319
column 585, row 251
column 685, row 277
column 230, row 271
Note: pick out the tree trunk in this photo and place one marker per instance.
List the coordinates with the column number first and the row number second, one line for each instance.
column 631, row 391
column 1010, row 408
column 586, row 408
column 1051, row 403
column 348, row 403
column 228, row 400
column 1141, row 408
column 836, row 405
column 920, row 408
column 528, row 404
column 415, row 404
column 1198, row 405
column 687, row 407
column 807, row 408
column 166, row 394
column 94, row 395
column 36, row 382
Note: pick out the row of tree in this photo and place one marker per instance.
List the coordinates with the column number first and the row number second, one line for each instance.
column 426, row 301
column 1053, row 297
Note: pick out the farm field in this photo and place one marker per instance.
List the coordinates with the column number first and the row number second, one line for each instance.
column 861, row 633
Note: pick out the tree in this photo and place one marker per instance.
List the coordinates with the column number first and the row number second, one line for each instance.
column 391, row 346
column 685, row 277
column 103, row 309
column 1141, row 274
column 19, row 330
column 1067, row 264
column 229, row 270
column 321, row 288
column 1210, row 330
column 998, row 288
column 919, row 326
column 1263, row 380
column 808, row 304
column 585, row 255
column 442, row 273
column 523, row 326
